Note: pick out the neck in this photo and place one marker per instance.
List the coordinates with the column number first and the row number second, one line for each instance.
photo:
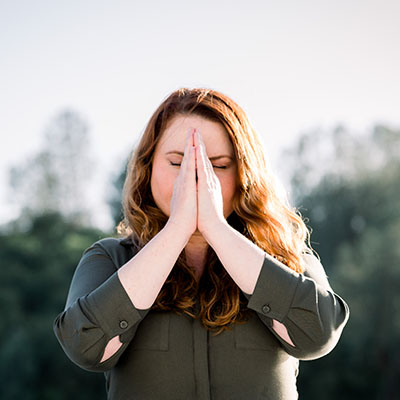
column 196, row 252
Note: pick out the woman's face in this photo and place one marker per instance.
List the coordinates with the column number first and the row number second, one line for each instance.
column 169, row 152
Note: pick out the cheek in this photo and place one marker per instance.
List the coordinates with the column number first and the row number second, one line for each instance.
column 162, row 182
column 228, row 188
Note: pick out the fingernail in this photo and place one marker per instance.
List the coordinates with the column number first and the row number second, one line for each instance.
column 193, row 133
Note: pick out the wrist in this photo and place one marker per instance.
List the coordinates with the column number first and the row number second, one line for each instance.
column 178, row 231
column 215, row 231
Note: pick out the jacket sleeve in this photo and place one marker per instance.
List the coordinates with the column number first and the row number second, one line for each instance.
column 97, row 310
column 305, row 304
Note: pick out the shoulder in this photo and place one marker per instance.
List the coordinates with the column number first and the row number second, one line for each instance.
column 112, row 242
column 314, row 269
column 119, row 250
column 311, row 261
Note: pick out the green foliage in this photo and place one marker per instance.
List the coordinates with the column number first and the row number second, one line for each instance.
column 355, row 216
column 37, row 267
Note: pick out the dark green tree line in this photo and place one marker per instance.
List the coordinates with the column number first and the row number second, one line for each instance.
column 37, row 267
column 39, row 252
column 353, row 207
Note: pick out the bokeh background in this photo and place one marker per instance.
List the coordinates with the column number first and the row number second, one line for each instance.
column 78, row 82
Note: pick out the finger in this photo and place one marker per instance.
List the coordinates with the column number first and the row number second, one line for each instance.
column 196, row 137
column 200, row 142
column 207, row 162
column 188, row 168
column 188, row 142
column 185, row 182
column 203, row 168
column 188, row 145
column 202, row 145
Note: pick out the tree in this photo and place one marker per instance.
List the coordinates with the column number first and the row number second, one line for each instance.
column 56, row 178
column 351, row 195
column 37, row 268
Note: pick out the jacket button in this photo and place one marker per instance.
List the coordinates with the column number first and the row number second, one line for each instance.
column 123, row 324
column 266, row 308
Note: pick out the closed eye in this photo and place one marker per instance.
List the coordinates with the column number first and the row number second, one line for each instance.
column 215, row 166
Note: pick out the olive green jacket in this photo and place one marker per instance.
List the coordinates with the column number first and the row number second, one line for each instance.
column 166, row 355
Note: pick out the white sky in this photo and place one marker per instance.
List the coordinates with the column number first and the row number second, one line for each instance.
column 292, row 65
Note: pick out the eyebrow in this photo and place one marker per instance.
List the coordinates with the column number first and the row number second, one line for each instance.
column 179, row 153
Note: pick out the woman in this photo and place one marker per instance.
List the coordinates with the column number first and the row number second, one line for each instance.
column 212, row 292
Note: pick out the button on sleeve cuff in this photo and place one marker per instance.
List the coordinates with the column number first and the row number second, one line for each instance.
column 113, row 309
column 274, row 290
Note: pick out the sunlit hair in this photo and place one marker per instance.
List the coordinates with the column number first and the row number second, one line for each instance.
column 260, row 213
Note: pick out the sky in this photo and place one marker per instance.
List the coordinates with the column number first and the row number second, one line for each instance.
column 294, row 66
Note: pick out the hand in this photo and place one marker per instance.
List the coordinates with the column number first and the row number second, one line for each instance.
column 209, row 196
column 183, row 206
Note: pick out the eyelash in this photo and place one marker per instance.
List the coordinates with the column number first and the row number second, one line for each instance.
column 219, row 167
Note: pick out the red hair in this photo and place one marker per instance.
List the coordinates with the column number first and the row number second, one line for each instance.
column 260, row 213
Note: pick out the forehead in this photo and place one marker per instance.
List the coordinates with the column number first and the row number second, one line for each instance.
column 214, row 134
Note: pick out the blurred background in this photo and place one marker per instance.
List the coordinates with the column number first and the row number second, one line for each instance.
column 78, row 82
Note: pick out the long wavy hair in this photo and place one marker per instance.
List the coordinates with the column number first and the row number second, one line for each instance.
column 260, row 213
